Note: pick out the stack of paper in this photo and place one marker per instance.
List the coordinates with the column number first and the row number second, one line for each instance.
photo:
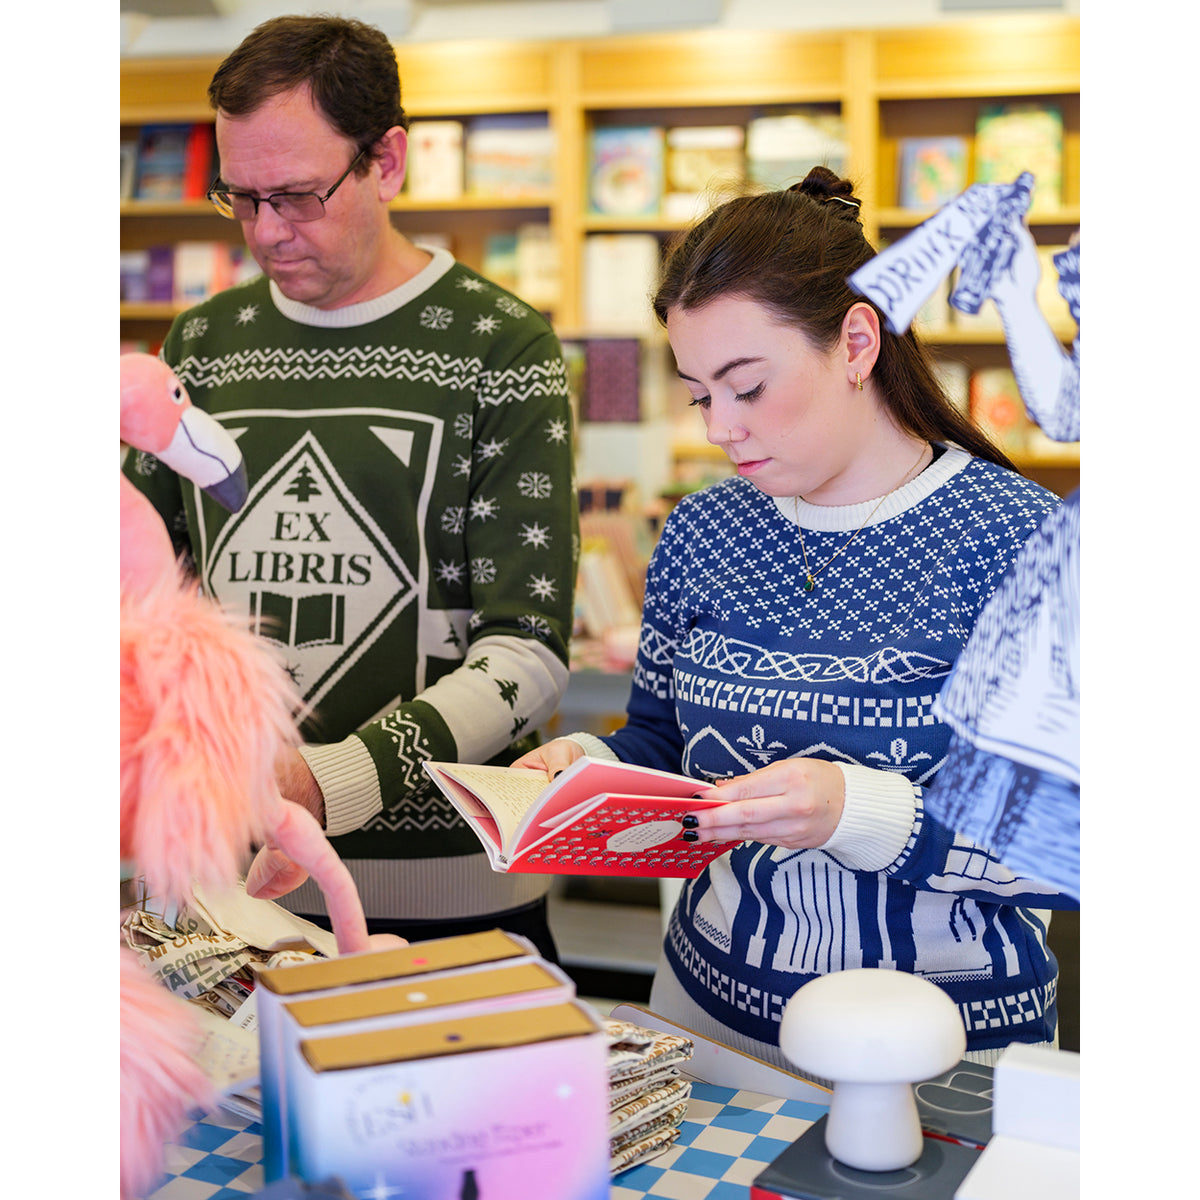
column 647, row 1096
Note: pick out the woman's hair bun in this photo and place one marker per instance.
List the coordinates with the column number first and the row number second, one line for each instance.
column 822, row 184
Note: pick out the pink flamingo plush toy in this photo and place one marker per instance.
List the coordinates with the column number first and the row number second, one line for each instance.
column 206, row 709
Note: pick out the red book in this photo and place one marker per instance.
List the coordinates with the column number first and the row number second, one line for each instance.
column 198, row 158
column 596, row 818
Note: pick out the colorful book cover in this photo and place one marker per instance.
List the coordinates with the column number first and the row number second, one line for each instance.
column 996, row 405
column 162, row 160
column 511, row 157
column 596, row 818
column 705, row 164
column 933, row 170
column 626, row 167
column 435, row 160
column 782, row 149
column 1011, row 138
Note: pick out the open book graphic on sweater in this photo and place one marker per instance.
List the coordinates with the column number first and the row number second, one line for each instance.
column 596, row 818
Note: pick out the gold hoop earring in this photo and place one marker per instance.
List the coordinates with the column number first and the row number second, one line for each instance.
column 858, row 380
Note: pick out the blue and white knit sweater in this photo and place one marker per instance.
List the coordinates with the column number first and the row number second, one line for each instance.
column 738, row 666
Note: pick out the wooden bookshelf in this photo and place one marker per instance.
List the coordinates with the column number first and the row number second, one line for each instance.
column 886, row 83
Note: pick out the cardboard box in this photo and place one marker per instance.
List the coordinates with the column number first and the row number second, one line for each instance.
column 446, row 995
column 482, row 1105
column 339, row 976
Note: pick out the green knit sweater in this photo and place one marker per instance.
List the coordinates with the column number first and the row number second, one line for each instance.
column 410, row 542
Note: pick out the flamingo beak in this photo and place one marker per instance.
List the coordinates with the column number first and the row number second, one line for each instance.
column 204, row 452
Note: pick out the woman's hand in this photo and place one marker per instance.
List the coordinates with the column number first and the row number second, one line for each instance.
column 795, row 803
column 553, row 757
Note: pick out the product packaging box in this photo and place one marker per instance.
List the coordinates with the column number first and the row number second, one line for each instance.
column 337, row 977
column 502, row 1105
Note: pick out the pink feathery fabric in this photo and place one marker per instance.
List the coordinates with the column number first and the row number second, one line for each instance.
column 206, row 708
column 161, row 1084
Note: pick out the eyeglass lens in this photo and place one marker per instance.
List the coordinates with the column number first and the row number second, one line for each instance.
column 291, row 206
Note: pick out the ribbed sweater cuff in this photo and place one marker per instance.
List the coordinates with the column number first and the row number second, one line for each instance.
column 877, row 819
column 345, row 772
column 593, row 747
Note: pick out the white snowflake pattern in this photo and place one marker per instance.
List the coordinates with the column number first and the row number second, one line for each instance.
column 462, row 465
column 454, row 519
column 462, row 425
column 475, row 620
column 485, row 324
column 469, row 283
column 247, row 314
column 535, row 624
column 436, row 316
column 535, row 535
column 536, row 485
column 196, row 327
column 483, row 508
column 483, row 570
column 492, row 449
column 451, row 572
column 511, row 307
column 543, row 587
column 556, row 431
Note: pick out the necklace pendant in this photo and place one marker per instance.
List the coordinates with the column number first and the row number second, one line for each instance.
column 809, row 584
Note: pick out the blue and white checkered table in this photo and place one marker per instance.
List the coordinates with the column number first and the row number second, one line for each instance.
column 726, row 1139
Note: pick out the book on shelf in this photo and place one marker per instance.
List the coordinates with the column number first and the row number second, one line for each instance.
column 200, row 156
column 596, row 818
column 500, row 258
column 129, row 155
column 184, row 273
column 933, row 171
column 161, row 162
column 435, row 160
column 538, row 269
column 955, row 377
column 626, row 166
column 1022, row 136
column 781, row 149
column 620, row 272
column 510, row 157
column 173, row 162
column 704, row 165
column 996, row 405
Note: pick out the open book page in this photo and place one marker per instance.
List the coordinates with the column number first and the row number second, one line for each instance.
column 500, row 794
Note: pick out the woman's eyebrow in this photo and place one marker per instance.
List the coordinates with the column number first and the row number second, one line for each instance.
column 732, row 364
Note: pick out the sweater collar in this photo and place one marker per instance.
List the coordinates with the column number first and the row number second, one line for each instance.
column 369, row 310
column 834, row 518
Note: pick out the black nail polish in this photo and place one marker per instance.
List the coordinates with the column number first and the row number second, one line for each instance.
column 688, row 821
column 689, row 835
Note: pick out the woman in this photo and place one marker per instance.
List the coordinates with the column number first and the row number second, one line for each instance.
column 799, row 620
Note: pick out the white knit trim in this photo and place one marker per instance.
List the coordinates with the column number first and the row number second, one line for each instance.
column 843, row 518
column 348, row 779
column 367, row 311
column 593, row 747
column 877, row 818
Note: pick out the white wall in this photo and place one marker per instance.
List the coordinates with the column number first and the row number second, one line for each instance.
column 450, row 20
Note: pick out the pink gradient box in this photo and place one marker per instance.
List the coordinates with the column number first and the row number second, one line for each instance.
column 504, row 1105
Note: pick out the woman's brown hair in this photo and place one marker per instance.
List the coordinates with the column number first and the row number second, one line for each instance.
column 792, row 252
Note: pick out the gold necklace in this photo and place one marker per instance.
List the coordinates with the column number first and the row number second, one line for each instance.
column 810, row 576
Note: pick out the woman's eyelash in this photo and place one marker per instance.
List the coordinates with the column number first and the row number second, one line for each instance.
column 744, row 397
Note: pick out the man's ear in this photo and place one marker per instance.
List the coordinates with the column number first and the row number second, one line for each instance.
column 860, row 336
column 391, row 156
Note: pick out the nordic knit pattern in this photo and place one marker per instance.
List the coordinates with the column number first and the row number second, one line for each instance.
column 410, row 544
column 738, row 667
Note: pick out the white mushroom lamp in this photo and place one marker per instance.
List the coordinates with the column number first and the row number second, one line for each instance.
column 873, row 1034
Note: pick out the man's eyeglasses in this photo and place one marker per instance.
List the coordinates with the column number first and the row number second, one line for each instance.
column 291, row 206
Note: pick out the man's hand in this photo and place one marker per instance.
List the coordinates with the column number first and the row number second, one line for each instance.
column 298, row 784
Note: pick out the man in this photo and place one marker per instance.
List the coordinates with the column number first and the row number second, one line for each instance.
column 411, row 535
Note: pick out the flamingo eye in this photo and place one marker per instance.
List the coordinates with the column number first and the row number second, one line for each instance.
column 177, row 394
